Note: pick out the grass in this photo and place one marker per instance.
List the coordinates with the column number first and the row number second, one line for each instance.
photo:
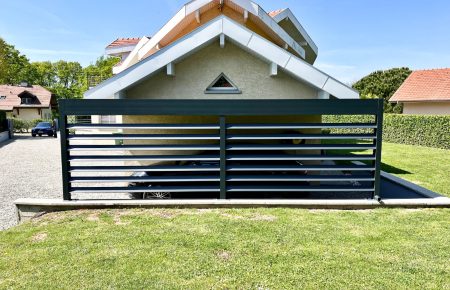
column 427, row 167
column 424, row 166
column 229, row 249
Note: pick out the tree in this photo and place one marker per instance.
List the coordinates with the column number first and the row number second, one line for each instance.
column 100, row 71
column 45, row 74
column 65, row 79
column 14, row 67
column 383, row 84
column 68, row 82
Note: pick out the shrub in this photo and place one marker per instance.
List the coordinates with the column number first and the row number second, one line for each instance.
column 423, row 130
column 20, row 126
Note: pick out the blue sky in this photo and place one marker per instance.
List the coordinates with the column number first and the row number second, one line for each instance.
column 354, row 37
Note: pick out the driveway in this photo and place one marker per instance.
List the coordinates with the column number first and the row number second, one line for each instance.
column 29, row 167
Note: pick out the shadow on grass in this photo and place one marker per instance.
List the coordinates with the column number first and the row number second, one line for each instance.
column 384, row 167
column 393, row 170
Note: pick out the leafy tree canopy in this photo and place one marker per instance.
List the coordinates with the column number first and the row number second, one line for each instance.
column 65, row 79
column 383, row 84
column 14, row 67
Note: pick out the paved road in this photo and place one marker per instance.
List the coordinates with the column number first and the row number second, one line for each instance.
column 29, row 167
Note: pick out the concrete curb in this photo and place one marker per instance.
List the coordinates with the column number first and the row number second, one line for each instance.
column 29, row 207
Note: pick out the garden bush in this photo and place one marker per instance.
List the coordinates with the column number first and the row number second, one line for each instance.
column 423, row 130
column 21, row 126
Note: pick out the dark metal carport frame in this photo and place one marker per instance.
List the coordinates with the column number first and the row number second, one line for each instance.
column 221, row 109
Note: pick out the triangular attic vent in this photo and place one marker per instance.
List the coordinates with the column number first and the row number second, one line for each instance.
column 222, row 85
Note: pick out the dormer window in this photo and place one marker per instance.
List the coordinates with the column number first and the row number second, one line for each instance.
column 27, row 98
column 26, row 101
column 222, row 85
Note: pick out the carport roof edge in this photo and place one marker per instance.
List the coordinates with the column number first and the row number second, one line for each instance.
column 204, row 35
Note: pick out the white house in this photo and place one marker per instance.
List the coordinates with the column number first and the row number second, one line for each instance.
column 27, row 102
column 219, row 49
column 253, row 55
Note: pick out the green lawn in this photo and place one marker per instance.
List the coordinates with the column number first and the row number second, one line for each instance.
column 427, row 167
column 229, row 249
column 424, row 166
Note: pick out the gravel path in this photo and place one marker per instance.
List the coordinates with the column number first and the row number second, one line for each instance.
column 29, row 167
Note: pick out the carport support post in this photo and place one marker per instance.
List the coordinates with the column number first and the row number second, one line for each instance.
column 379, row 142
column 223, row 158
column 64, row 153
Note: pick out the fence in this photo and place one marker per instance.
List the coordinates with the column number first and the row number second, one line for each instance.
column 254, row 148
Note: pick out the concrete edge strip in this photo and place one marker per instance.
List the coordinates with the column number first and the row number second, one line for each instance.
column 27, row 209
column 344, row 203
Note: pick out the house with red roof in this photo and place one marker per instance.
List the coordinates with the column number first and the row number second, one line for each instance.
column 27, row 102
column 425, row 92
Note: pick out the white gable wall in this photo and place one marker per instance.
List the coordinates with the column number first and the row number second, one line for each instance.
column 248, row 72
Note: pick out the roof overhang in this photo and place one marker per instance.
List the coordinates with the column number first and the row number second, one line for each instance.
column 245, row 5
column 206, row 34
column 309, row 45
column 132, row 57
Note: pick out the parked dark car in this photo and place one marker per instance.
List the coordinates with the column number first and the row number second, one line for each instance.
column 44, row 128
column 208, row 164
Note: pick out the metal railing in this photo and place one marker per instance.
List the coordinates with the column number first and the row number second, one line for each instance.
column 223, row 155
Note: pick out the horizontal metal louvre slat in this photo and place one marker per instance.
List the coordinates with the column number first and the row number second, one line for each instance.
column 296, row 178
column 301, row 126
column 142, row 147
column 298, row 157
column 299, row 168
column 143, row 168
column 219, row 107
column 287, row 178
column 144, row 189
column 197, row 178
column 145, row 126
column 299, row 189
column 143, row 137
column 299, row 136
column 302, row 147
column 146, row 158
column 216, row 168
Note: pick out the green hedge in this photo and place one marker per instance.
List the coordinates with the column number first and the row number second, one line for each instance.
column 429, row 131
column 423, row 130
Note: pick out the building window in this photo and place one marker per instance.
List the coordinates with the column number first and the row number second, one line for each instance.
column 26, row 101
column 222, row 85
column 108, row 119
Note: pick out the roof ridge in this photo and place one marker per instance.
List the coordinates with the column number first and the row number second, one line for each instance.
column 433, row 69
